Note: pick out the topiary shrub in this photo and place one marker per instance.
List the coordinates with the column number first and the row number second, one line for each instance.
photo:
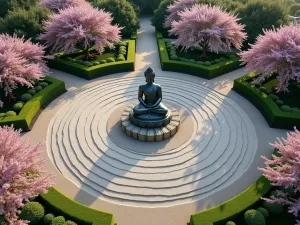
column 25, row 97
column 230, row 223
column 232, row 56
column 200, row 62
column 257, row 15
column 69, row 222
column 68, row 59
column 48, row 218
column 102, row 61
column 87, row 63
column 27, row 23
column 192, row 60
column 18, row 106
column 120, row 59
column 95, row 63
column 2, row 115
column 38, row 88
column 59, row 220
column 273, row 97
column 273, row 208
column 110, row 59
column 263, row 89
column 79, row 61
column 207, row 63
column 222, row 59
column 217, row 61
column 174, row 57
column 33, row 212
column 254, row 217
column 263, row 211
column 44, row 84
column 279, row 102
column 31, row 91
column 285, row 108
column 297, row 110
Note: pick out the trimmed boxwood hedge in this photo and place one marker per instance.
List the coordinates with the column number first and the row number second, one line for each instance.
column 30, row 109
column 207, row 72
column 275, row 117
column 98, row 70
column 236, row 206
column 81, row 214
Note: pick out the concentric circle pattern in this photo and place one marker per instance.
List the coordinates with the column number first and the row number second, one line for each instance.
column 221, row 148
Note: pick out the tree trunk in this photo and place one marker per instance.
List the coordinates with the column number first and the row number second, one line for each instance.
column 86, row 53
column 204, row 51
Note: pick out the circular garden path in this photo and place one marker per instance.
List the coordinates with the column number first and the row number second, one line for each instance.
column 213, row 157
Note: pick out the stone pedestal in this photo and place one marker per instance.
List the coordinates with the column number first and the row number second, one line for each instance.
column 150, row 134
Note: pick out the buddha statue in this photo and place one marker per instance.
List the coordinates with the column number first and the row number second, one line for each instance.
column 150, row 112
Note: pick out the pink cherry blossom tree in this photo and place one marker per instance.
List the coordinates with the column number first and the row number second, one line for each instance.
column 284, row 170
column 21, row 175
column 276, row 50
column 175, row 8
column 21, row 63
column 208, row 27
column 83, row 27
column 55, row 5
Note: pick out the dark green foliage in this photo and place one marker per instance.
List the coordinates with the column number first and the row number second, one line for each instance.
column 297, row 13
column 10, row 113
column 286, row 108
column 18, row 106
column 230, row 223
column 279, row 102
column 263, row 211
column 227, row 5
column 123, row 14
column 26, row 97
column 32, row 211
column 110, row 60
column 43, row 84
column 32, row 92
column 261, row 14
column 294, row 8
column 38, row 88
column 207, row 63
column 87, row 63
column 146, row 7
column 48, row 218
column 95, row 63
column 9, row 5
column 159, row 15
column 297, row 110
column 59, row 220
column 27, row 23
column 69, row 222
column 254, row 217
column 273, row 97
column 174, row 57
column 273, row 208
column 103, row 61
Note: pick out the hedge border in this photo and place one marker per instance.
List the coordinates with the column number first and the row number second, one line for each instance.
column 234, row 207
column 79, row 213
column 208, row 72
column 29, row 111
column 269, row 109
column 93, row 72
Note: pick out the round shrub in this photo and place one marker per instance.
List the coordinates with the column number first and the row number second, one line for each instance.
column 297, row 110
column 59, row 220
column 48, row 218
column 2, row 115
column 124, row 52
column 121, row 55
column 279, row 102
column 217, row 61
column 122, row 44
column 26, row 97
column 273, row 97
column 192, row 60
column 32, row 211
column 174, row 57
column 38, row 88
column 122, row 48
column 95, row 63
column 232, row 56
column 87, row 63
column 230, row 223
column 200, row 62
column 207, row 63
column 69, row 222
column 123, row 14
column 110, row 59
column 273, row 208
column 44, row 84
column 286, row 108
column 120, row 59
column 222, row 59
column 68, row 59
column 102, row 61
column 159, row 15
column 263, row 211
column 31, row 91
column 263, row 89
column 79, row 61
column 254, row 217
column 18, row 106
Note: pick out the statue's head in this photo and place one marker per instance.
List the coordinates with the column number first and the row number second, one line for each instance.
column 149, row 75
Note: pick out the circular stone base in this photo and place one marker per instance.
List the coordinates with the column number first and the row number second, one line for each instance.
column 149, row 134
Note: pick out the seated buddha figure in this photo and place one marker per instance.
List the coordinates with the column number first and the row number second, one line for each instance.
column 150, row 97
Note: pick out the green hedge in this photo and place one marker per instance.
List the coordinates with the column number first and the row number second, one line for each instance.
column 236, row 206
column 39, row 100
column 58, row 203
column 275, row 117
column 207, row 72
column 95, row 71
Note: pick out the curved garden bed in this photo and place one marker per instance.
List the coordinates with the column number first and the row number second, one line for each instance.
column 267, row 106
column 68, row 63
column 230, row 61
column 58, row 203
column 25, row 117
